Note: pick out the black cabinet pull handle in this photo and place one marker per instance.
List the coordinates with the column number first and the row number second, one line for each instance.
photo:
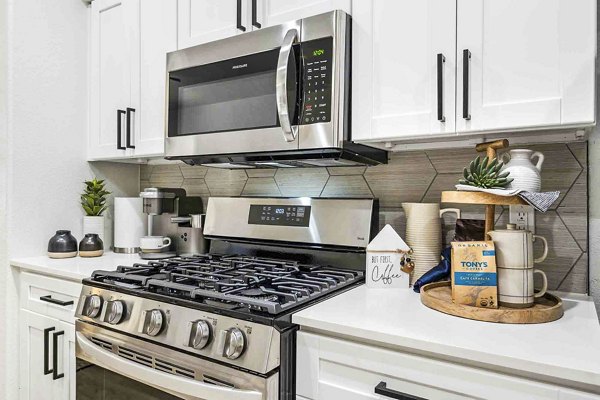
column 440, row 87
column 55, row 374
column 239, row 16
column 382, row 389
column 466, row 63
column 119, row 144
column 255, row 22
column 49, row 299
column 47, row 350
column 128, row 131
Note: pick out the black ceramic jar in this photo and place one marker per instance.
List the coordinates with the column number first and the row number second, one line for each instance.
column 91, row 245
column 62, row 245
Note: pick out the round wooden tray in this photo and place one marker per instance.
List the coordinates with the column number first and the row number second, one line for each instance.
column 438, row 296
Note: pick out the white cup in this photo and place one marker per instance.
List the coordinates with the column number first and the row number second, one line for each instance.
column 515, row 287
column 154, row 242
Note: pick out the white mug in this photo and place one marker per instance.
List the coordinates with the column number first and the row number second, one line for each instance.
column 514, row 248
column 154, row 242
column 515, row 287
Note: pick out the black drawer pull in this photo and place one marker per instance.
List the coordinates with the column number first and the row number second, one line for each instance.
column 382, row 389
column 55, row 374
column 128, row 131
column 49, row 299
column 466, row 62
column 239, row 17
column 255, row 22
column 119, row 123
column 440, row 87
column 47, row 350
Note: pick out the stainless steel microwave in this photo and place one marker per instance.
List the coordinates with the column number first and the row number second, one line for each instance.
column 276, row 97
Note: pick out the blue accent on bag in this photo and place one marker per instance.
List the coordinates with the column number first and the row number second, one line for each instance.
column 489, row 252
column 475, row 278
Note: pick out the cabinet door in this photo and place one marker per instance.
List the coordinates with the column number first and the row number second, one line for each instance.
column 36, row 356
column 531, row 63
column 158, row 36
column 274, row 12
column 398, row 88
column 201, row 21
column 113, row 49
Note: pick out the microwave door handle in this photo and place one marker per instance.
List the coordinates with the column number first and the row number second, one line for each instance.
column 289, row 131
column 186, row 388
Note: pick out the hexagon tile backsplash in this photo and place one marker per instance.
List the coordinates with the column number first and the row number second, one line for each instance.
column 417, row 176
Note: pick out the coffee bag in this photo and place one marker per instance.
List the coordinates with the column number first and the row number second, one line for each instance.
column 474, row 279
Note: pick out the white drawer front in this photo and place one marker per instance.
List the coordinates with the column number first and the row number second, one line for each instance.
column 49, row 296
column 329, row 368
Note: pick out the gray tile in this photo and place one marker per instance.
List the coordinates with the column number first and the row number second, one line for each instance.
column 395, row 218
column 577, row 280
column 261, row 172
column 197, row 187
column 560, row 180
column 346, row 186
column 261, row 187
column 144, row 184
column 404, row 179
column 166, row 176
column 576, row 221
column 557, row 156
column 225, row 182
column 145, row 171
column 191, row 172
column 563, row 249
column 579, row 149
column 346, row 170
column 301, row 181
column 452, row 160
column 577, row 197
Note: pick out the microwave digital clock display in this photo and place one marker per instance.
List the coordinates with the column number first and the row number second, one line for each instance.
column 317, row 65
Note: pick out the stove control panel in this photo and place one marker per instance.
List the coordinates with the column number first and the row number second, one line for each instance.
column 284, row 215
column 317, row 71
column 246, row 344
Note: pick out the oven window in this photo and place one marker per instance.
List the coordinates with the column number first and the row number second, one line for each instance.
column 96, row 383
column 231, row 95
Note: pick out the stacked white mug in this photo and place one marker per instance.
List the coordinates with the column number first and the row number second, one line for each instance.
column 515, row 266
column 424, row 234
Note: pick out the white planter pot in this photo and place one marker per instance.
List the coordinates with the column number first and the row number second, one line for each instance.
column 94, row 225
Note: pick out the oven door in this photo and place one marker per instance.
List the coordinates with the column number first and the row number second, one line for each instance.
column 237, row 95
column 113, row 366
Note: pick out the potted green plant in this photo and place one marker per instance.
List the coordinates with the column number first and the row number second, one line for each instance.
column 93, row 202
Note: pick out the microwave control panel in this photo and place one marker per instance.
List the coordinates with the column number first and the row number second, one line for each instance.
column 317, row 57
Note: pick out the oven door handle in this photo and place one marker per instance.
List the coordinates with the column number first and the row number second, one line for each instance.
column 183, row 387
column 281, row 90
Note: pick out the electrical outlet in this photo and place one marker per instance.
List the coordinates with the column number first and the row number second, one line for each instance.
column 523, row 217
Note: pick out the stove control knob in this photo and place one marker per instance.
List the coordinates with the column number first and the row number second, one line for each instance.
column 235, row 343
column 153, row 322
column 115, row 312
column 92, row 306
column 199, row 335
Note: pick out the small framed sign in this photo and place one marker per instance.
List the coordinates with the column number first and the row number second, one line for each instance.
column 385, row 255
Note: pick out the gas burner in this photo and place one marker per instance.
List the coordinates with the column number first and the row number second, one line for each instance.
column 232, row 281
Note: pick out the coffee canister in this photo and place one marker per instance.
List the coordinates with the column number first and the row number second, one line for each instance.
column 130, row 224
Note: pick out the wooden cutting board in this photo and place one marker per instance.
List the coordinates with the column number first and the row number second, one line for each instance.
column 438, row 296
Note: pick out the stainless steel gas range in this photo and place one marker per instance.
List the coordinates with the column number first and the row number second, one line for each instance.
column 218, row 325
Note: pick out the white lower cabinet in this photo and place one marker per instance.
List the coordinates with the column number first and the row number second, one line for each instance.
column 47, row 358
column 330, row 368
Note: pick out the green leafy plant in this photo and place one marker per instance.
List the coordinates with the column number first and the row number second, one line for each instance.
column 93, row 199
column 485, row 174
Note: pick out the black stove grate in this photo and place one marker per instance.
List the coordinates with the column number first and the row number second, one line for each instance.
column 257, row 284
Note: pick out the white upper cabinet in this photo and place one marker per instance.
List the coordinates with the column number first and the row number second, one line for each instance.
column 112, row 75
column 202, row 21
column 403, row 73
column 273, row 12
column 531, row 63
column 155, row 43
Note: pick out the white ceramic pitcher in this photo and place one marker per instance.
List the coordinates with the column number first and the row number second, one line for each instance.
column 525, row 174
column 424, row 234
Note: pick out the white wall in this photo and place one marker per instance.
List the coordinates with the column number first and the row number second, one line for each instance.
column 47, row 116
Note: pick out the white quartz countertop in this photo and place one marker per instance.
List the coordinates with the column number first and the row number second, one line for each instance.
column 566, row 351
column 76, row 268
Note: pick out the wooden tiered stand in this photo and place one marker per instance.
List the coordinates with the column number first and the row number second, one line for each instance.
column 489, row 200
column 438, row 295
